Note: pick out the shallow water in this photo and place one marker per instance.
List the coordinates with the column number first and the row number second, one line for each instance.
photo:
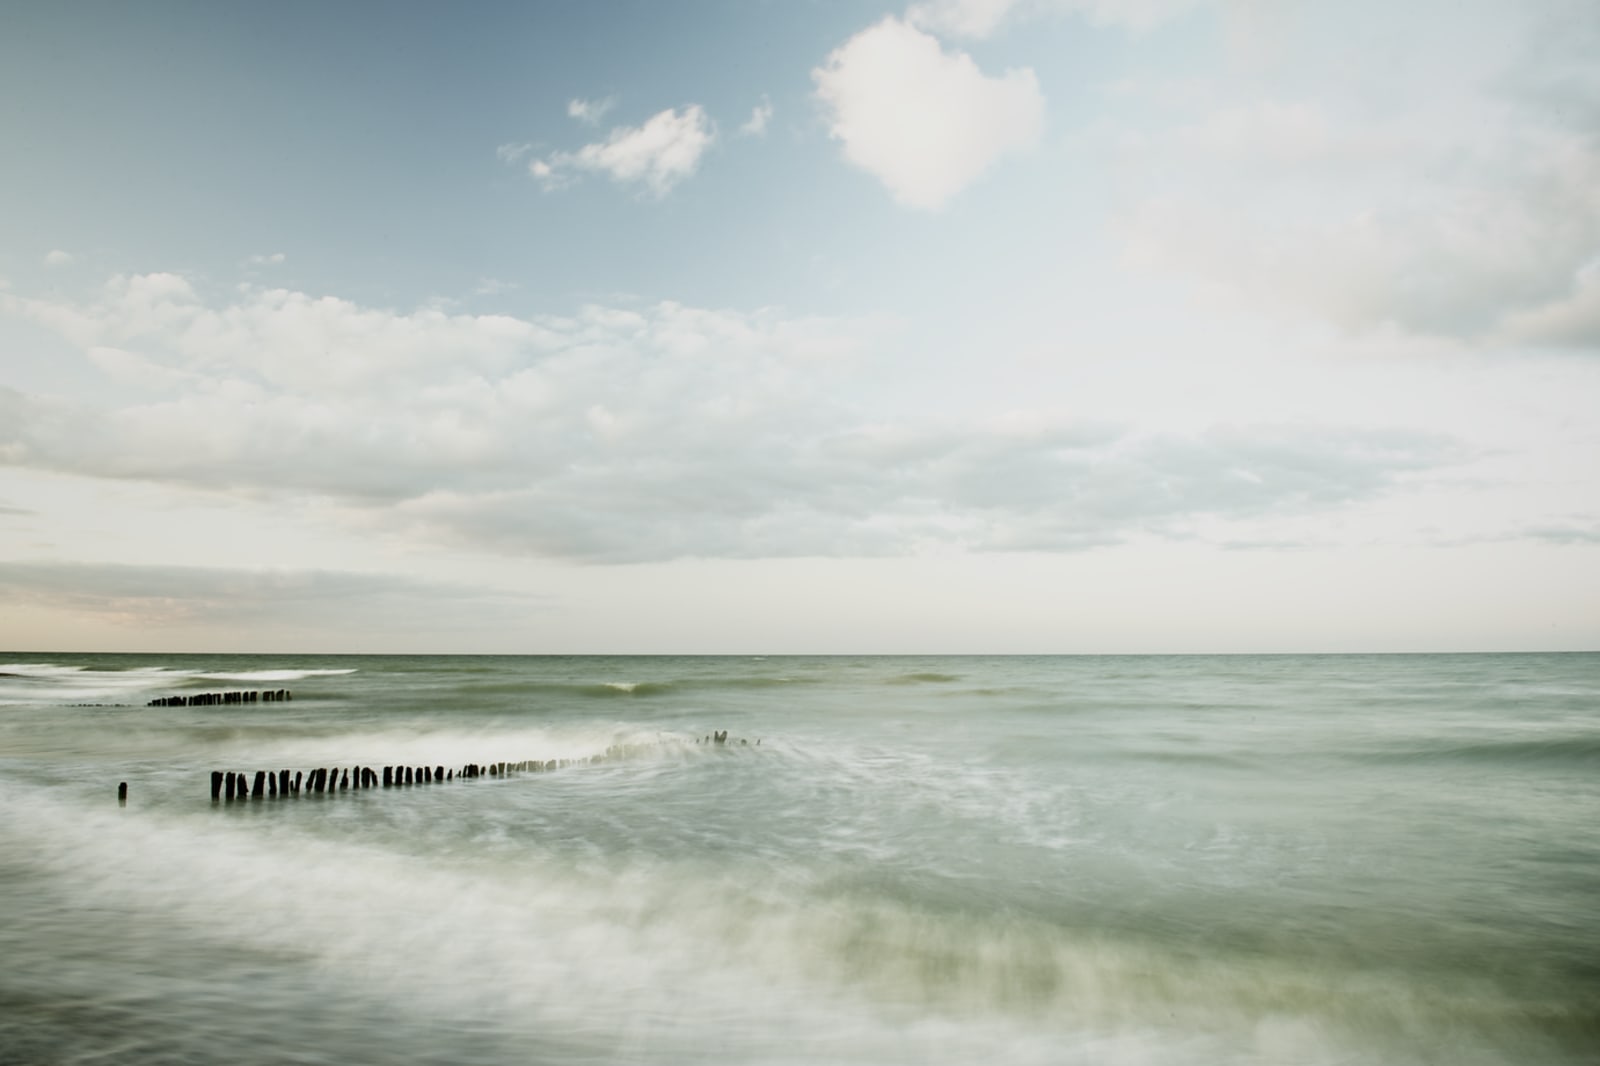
column 1151, row 860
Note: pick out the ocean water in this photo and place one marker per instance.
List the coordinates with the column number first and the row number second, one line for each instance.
column 1097, row 860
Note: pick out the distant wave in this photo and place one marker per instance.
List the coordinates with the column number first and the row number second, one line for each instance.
column 57, row 683
column 64, row 683
column 923, row 678
column 52, row 671
column 269, row 675
column 1574, row 750
column 620, row 689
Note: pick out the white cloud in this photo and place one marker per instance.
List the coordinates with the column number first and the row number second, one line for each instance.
column 960, row 18
column 590, row 112
column 924, row 122
column 658, row 155
column 1432, row 195
column 631, row 433
column 1363, row 239
column 58, row 258
column 512, row 151
column 1570, row 319
column 760, row 115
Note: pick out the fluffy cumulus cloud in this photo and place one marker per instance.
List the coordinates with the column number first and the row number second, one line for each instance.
column 1453, row 190
column 925, row 122
column 657, row 155
column 630, row 433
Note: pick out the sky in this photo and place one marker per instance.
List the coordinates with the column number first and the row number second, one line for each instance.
column 731, row 326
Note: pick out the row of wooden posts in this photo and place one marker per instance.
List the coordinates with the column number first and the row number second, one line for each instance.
column 210, row 699
column 228, row 785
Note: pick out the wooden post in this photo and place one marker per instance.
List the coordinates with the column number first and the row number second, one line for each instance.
column 344, row 782
column 388, row 773
column 258, row 787
column 297, row 782
column 122, row 794
column 228, row 786
column 216, row 785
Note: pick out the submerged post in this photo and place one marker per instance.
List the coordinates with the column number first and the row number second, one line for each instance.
column 216, row 785
column 122, row 794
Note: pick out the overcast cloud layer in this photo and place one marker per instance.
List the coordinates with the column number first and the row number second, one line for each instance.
column 1090, row 284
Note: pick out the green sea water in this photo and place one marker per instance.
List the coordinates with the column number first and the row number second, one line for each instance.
column 1140, row 860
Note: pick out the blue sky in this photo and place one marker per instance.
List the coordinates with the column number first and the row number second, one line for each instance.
column 962, row 325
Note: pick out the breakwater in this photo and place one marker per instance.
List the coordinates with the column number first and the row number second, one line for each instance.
column 228, row 786
column 213, row 699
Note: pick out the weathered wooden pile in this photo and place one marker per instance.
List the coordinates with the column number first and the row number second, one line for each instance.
column 210, row 699
column 229, row 786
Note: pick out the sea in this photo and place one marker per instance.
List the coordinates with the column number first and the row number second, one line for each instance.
column 1151, row 860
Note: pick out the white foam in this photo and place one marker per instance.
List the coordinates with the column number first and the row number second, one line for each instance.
column 270, row 675
column 56, row 683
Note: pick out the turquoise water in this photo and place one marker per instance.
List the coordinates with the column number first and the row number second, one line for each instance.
column 1143, row 860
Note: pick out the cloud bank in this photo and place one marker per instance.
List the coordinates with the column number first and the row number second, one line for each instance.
column 1454, row 193
column 625, row 434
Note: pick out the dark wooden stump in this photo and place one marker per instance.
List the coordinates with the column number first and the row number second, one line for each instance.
column 258, row 787
column 122, row 794
column 216, row 785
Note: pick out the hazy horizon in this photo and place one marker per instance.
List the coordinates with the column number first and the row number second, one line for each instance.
column 942, row 327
